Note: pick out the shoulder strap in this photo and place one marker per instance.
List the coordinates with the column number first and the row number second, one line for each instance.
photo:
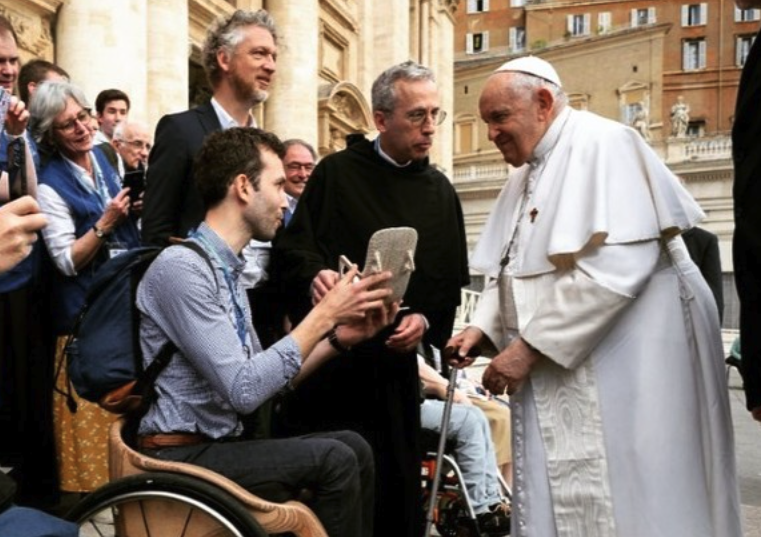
column 147, row 378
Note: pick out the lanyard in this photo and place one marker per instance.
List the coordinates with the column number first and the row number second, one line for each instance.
column 240, row 318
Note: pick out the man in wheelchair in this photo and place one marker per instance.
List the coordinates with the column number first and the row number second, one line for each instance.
column 220, row 371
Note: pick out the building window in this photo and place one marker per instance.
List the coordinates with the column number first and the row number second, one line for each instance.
column 745, row 15
column 578, row 24
column 477, row 43
column 694, row 14
column 696, row 129
column 478, row 6
column 742, row 48
column 642, row 17
column 465, row 132
column 517, row 38
column 517, row 3
column 604, row 22
column 693, row 54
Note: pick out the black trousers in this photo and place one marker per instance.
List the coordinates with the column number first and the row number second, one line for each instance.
column 337, row 467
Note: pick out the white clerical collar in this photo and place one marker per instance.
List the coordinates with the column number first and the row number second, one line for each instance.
column 550, row 137
column 384, row 156
column 226, row 120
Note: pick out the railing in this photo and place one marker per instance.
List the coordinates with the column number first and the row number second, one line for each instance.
column 468, row 303
column 479, row 172
column 679, row 150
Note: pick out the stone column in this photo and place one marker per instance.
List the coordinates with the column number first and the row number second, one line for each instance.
column 291, row 110
column 443, row 64
column 392, row 33
column 103, row 45
column 167, row 64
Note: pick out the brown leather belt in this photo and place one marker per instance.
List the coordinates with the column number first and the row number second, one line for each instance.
column 158, row 441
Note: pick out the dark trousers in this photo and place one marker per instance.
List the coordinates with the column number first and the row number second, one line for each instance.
column 26, row 395
column 336, row 467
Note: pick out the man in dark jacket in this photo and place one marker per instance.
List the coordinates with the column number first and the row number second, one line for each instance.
column 746, row 247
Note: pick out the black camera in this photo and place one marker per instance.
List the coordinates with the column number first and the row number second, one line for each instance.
column 135, row 180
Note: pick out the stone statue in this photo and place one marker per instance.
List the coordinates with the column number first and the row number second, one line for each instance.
column 680, row 118
column 641, row 122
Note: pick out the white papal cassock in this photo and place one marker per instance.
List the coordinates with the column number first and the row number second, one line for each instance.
column 625, row 429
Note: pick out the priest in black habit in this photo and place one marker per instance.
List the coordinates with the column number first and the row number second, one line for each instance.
column 374, row 388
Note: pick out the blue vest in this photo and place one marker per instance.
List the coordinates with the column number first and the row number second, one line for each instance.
column 86, row 208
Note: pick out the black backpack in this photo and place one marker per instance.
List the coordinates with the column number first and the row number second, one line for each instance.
column 105, row 360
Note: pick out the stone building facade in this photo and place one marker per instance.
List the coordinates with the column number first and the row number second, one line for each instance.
column 330, row 52
column 634, row 61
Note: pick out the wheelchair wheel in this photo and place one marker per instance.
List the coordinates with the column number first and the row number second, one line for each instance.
column 162, row 504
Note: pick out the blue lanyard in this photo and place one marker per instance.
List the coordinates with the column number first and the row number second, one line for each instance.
column 240, row 318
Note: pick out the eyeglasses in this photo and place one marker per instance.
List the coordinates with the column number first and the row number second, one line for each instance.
column 418, row 117
column 83, row 118
column 138, row 144
column 295, row 166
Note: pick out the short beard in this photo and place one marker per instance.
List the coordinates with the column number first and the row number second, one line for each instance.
column 245, row 93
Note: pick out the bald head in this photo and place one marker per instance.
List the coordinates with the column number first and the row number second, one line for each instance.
column 133, row 141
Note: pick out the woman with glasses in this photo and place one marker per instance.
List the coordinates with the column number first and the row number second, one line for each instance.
column 88, row 222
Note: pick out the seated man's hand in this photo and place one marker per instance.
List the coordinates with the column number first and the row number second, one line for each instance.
column 322, row 283
column 462, row 349
column 375, row 320
column 350, row 300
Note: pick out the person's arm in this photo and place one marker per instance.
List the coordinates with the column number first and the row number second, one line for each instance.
column 166, row 183
column 69, row 252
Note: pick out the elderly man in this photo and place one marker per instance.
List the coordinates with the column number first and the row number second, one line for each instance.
column 606, row 334
column 132, row 141
column 373, row 388
column 746, row 249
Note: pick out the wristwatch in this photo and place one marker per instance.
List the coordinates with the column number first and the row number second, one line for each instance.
column 333, row 340
column 99, row 232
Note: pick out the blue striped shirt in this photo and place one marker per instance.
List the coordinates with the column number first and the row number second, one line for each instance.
column 214, row 376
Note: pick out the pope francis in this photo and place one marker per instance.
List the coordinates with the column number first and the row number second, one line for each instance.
column 605, row 334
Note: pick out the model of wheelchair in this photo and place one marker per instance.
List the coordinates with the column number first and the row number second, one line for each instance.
column 149, row 497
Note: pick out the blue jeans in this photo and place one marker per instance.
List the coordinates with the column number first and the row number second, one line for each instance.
column 337, row 467
column 474, row 451
column 34, row 523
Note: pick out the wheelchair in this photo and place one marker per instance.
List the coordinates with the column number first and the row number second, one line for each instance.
column 454, row 515
column 149, row 497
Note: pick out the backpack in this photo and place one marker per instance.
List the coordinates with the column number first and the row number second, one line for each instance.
column 104, row 357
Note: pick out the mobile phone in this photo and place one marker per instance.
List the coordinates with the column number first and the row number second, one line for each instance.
column 5, row 102
column 135, row 180
column 17, row 179
column 450, row 354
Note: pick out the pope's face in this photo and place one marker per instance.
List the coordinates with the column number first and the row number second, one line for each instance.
column 517, row 118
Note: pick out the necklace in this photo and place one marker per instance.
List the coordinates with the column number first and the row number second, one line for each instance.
column 528, row 192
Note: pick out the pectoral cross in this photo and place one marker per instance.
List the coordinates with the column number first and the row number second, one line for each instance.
column 533, row 214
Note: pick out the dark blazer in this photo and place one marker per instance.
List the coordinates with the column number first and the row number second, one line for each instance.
column 746, row 247
column 172, row 204
column 704, row 251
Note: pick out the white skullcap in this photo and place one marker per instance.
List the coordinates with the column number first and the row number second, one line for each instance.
column 533, row 66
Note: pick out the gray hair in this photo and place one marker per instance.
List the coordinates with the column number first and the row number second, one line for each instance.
column 306, row 145
column 128, row 125
column 526, row 84
column 384, row 92
column 225, row 34
column 49, row 101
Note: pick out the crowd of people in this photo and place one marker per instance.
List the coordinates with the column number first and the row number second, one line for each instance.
column 289, row 371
